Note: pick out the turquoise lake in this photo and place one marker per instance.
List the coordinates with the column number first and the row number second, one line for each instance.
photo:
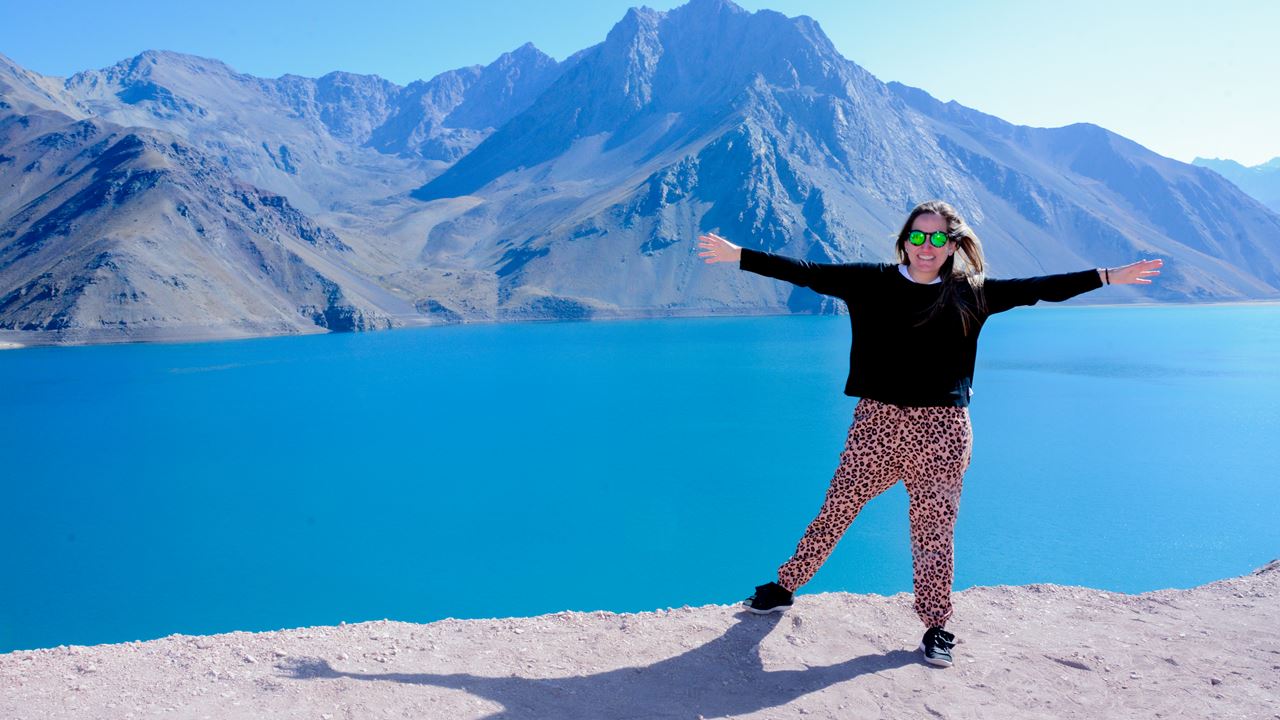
column 500, row 470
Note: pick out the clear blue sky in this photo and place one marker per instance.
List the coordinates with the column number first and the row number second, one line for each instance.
column 1182, row 78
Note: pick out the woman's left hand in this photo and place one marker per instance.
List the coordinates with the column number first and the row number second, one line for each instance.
column 1135, row 273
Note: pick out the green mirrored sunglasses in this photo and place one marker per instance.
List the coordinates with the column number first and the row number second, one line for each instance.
column 937, row 239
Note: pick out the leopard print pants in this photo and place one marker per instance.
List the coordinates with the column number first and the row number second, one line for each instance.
column 929, row 448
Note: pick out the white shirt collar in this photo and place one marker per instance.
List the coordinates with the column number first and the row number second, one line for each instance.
column 907, row 275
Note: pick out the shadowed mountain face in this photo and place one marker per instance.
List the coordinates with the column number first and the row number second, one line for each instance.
column 530, row 188
column 1262, row 182
column 132, row 234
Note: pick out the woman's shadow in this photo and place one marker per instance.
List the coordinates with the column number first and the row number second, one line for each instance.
column 722, row 677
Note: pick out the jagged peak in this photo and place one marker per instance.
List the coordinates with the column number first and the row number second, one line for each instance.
column 159, row 57
column 1227, row 162
column 528, row 51
column 342, row 77
column 526, row 55
column 635, row 21
column 141, row 66
column 707, row 8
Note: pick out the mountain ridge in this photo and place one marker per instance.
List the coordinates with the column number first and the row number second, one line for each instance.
column 533, row 189
column 1262, row 182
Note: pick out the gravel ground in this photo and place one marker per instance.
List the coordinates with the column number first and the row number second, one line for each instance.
column 1034, row 651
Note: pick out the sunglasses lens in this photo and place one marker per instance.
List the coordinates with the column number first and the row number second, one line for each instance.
column 916, row 237
column 938, row 239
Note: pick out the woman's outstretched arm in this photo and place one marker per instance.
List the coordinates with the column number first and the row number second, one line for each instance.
column 1003, row 295
column 834, row 279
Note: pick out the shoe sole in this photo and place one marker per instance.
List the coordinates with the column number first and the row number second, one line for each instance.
column 778, row 609
column 940, row 662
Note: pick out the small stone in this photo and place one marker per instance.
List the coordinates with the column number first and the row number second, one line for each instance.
column 1215, row 681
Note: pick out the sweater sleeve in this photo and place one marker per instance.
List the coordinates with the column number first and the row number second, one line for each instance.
column 834, row 279
column 1007, row 294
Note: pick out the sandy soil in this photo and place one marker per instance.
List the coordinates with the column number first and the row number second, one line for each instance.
column 1035, row 651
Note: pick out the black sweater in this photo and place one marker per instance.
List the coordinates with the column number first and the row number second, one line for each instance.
column 891, row 359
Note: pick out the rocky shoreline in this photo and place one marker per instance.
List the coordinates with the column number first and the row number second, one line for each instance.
column 1034, row 651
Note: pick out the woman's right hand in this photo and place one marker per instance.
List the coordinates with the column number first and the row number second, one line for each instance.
column 717, row 249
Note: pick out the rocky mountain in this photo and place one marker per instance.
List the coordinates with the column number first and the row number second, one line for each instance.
column 447, row 116
column 302, row 136
column 1260, row 181
column 536, row 189
column 118, row 233
column 117, row 227
column 1097, row 195
column 664, row 130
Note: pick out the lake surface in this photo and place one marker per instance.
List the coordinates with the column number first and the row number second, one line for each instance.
column 500, row 470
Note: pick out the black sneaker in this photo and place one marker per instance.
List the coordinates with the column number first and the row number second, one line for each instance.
column 937, row 644
column 770, row 597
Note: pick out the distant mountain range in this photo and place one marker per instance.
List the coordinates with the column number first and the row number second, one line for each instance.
column 1260, row 181
column 170, row 197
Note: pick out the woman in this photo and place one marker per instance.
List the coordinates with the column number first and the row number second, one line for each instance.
column 915, row 335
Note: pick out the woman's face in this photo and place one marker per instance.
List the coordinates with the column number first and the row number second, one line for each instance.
column 927, row 260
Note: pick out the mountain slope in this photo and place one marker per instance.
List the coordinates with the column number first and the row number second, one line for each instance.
column 141, row 237
column 1096, row 190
